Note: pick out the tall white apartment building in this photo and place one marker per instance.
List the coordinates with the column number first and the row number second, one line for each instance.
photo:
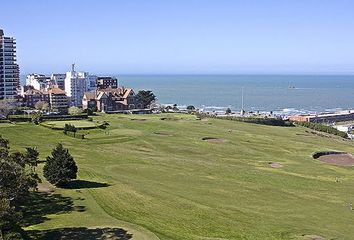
column 76, row 84
column 38, row 81
column 9, row 70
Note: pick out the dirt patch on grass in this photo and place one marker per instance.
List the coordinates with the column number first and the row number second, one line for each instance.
column 138, row 119
column 171, row 119
column 45, row 187
column 313, row 237
column 214, row 140
column 275, row 165
column 164, row 134
column 335, row 158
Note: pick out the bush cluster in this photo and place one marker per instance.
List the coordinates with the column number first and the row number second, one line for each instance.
column 69, row 128
column 256, row 120
column 39, row 118
column 323, row 128
column 18, row 178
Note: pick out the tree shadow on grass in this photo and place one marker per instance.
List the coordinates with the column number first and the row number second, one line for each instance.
column 38, row 205
column 81, row 233
column 81, row 184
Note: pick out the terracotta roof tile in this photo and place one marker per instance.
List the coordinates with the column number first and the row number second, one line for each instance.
column 56, row 91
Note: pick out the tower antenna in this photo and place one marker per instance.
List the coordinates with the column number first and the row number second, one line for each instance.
column 242, row 109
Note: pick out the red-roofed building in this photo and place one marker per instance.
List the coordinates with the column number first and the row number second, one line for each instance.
column 111, row 100
column 31, row 96
column 58, row 100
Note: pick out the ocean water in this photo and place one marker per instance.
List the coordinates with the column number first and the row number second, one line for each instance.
column 261, row 92
column 311, row 93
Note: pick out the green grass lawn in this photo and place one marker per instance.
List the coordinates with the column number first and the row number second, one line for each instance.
column 76, row 123
column 158, row 179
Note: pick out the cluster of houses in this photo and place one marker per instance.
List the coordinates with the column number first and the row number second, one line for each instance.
column 79, row 89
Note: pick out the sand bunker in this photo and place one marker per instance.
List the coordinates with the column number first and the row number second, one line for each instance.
column 214, row 140
column 164, row 134
column 275, row 165
column 313, row 237
column 335, row 158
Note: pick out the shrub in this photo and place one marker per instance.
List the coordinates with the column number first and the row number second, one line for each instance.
column 74, row 110
column 323, row 128
column 69, row 128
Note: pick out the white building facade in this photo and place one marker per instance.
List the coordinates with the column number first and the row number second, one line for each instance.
column 76, row 84
column 38, row 81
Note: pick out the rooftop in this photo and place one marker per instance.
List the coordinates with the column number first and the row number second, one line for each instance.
column 56, row 91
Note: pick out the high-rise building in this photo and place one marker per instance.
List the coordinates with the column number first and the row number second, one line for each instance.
column 76, row 84
column 59, row 80
column 9, row 70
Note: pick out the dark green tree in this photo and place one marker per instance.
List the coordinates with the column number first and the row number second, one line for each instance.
column 16, row 181
column 175, row 108
column 60, row 168
column 31, row 157
column 190, row 108
column 145, row 97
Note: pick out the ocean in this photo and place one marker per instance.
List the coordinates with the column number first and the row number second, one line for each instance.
column 282, row 94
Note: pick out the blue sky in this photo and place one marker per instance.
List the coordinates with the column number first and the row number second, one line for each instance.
column 182, row 36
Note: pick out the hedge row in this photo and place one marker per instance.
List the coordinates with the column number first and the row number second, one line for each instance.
column 28, row 118
column 256, row 120
column 64, row 117
column 323, row 128
column 19, row 118
column 5, row 121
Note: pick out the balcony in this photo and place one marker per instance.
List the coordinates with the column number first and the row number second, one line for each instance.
column 11, row 66
column 9, row 58
column 11, row 80
column 10, row 62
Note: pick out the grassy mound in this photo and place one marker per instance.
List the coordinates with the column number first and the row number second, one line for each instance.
column 79, row 124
